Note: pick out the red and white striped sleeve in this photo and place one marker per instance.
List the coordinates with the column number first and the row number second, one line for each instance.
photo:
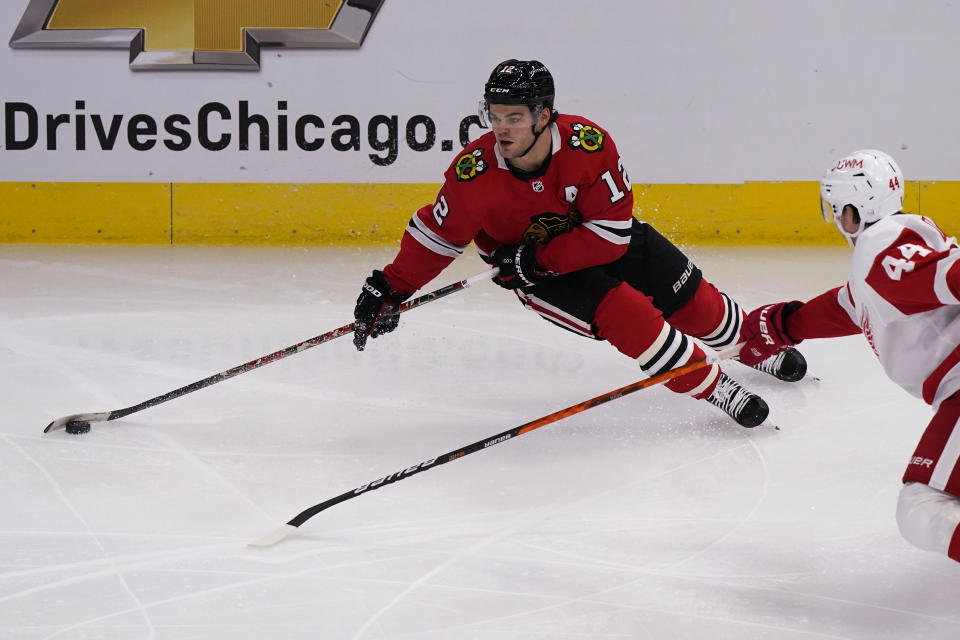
column 434, row 237
column 946, row 282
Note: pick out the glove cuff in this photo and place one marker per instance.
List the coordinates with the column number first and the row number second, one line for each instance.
column 787, row 310
column 382, row 284
column 523, row 262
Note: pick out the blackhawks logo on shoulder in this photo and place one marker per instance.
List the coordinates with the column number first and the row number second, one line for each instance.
column 586, row 137
column 470, row 165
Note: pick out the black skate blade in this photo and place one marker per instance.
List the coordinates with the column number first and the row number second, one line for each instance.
column 769, row 423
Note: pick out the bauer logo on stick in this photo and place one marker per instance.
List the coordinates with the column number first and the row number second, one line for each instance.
column 194, row 34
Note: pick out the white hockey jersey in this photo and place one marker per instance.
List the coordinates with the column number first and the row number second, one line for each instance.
column 903, row 292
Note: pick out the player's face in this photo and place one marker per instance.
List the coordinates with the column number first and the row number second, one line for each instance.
column 512, row 126
column 850, row 219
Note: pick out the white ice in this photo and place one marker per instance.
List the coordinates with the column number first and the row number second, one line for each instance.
column 654, row 516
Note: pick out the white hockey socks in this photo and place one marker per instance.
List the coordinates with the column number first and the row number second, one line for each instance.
column 929, row 519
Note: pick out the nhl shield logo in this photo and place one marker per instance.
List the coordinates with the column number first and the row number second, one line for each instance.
column 537, row 185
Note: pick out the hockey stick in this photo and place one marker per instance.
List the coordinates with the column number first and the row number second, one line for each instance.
column 80, row 422
column 285, row 530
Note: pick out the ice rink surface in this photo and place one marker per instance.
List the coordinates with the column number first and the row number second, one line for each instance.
column 654, row 516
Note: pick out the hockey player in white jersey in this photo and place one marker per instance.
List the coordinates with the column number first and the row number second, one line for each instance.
column 903, row 294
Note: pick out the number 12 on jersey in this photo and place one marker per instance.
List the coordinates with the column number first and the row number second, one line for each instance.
column 615, row 193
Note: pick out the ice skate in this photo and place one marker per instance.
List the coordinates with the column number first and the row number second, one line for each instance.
column 789, row 365
column 746, row 408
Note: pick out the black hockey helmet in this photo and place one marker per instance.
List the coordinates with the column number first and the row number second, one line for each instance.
column 526, row 82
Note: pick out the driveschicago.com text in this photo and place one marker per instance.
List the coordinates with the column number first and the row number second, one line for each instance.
column 216, row 126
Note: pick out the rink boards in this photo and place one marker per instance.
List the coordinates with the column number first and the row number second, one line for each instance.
column 750, row 213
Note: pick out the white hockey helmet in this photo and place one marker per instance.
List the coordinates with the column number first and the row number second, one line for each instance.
column 869, row 180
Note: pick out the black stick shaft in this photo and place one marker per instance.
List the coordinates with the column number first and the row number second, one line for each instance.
column 486, row 443
column 292, row 349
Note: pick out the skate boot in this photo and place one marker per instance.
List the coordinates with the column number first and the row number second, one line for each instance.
column 789, row 365
column 748, row 409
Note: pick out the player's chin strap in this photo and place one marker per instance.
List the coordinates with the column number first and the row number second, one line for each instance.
column 536, row 136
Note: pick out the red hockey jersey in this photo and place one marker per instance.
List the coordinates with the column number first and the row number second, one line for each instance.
column 579, row 211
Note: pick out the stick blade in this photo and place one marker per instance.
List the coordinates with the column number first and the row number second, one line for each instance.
column 61, row 423
column 273, row 537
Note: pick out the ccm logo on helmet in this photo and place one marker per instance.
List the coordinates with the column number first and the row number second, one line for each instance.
column 849, row 163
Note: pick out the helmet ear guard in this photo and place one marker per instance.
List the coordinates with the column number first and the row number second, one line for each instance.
column 870, row 181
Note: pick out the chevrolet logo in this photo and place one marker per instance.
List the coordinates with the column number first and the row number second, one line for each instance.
column 194, row 34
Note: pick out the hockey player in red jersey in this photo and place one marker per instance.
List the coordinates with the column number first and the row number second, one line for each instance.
column 546, row 198
column 903, row 294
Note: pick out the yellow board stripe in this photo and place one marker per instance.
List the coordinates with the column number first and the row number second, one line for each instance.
column 751, row 213
column 74, row 212
column 301, row 214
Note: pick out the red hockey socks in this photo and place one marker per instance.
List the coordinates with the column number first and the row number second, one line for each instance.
column 628, row 320
column 710, row 315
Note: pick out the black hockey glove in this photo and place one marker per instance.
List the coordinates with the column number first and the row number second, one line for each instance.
column 377, row 311
column 518, row 266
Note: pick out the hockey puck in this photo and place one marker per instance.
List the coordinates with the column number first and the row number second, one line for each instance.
column 77, row 427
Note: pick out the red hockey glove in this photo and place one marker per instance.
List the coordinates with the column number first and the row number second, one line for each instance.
column 518, row 266
column 377, row 311
column 764, row 332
